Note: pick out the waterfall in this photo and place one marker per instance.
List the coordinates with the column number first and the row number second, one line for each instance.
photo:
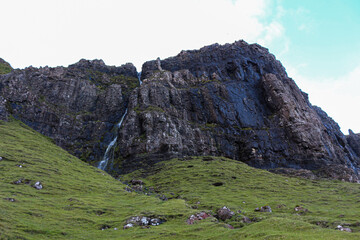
column 139, row 77
column 109, row 153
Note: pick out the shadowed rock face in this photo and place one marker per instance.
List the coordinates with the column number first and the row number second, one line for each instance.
column 76, row 106
column 234, row 100
column 354, row 141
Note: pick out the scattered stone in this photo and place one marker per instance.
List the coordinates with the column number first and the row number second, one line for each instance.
column 224, row 213
column 136, row 182
column 300, row 209
column 246, row 220
column 263, row 209
column 38, row 185
column 18, row 165
column 1, row 158
column 129, row 225
column 163, row 197
column 128, row 189
column 99, row 213
column 323, row 224
column 345, row 229
column 27, row 181
column 199, row 216
column 10, row 199
column 138, row 188
column 218, row 184
column 143, row 221
column 18, row 181
column 155, row 221
column 115, row 229
column 104, row 227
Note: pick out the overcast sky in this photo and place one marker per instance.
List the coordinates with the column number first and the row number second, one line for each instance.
column 316, row 40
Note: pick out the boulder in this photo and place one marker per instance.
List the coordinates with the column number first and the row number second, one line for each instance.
column 224, row 213
column 341, row 228
column 197, row 217
column 38, row 186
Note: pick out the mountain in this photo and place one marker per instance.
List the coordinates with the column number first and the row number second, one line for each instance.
column 233, row 100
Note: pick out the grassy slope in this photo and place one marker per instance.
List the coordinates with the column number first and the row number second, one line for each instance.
column 48, row 213
column 245, row 188
column 74, row 192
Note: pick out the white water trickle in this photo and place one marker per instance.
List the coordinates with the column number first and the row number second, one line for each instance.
column 109, row 153
column 139, row 77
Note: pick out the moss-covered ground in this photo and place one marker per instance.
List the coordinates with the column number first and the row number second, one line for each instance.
column 77, row 200
column 5, row 68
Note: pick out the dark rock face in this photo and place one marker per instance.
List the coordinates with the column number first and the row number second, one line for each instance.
column 76, row 106
column 354, row 141
column 234, row 100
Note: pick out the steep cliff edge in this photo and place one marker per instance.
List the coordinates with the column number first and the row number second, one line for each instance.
column 233, row 100
column 76, row 106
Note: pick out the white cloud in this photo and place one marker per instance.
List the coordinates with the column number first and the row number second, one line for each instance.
column 339, row 97
column 273, row 31
column 43, row 32
column 60, row 32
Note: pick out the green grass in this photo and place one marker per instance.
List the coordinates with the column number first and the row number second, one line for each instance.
column 74, row 192
column 245, row 188
column 5, row 68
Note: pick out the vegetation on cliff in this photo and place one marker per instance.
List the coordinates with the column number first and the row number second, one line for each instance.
column 4, row 67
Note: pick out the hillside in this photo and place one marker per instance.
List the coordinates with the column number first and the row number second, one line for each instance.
column 233, row 100
column 78, row 200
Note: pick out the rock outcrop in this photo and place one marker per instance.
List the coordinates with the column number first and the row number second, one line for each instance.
column 76, row 106
column 354, row 141
column 232, row 100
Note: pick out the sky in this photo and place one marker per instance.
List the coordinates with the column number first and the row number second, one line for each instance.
column 317, row 41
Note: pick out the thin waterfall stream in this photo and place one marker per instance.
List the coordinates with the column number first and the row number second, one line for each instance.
column 139, row 77
column 109, row 153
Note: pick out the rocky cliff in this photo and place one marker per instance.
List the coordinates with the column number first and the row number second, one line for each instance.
column 232, row 100
column 76, row 106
